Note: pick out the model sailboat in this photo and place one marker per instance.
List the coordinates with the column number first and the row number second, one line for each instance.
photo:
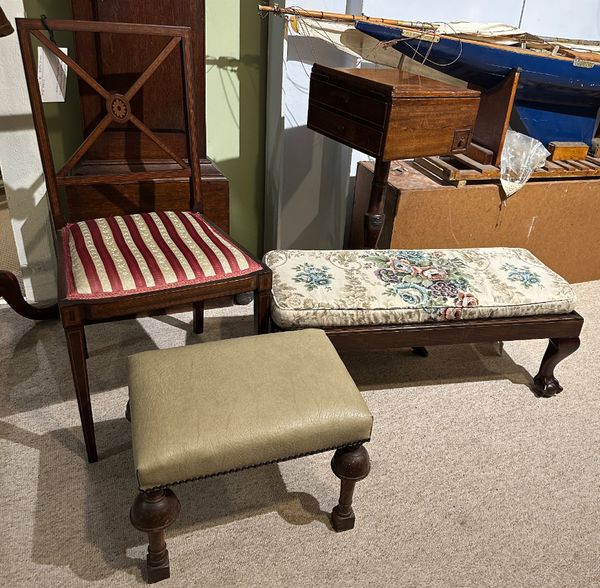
column 558, row 92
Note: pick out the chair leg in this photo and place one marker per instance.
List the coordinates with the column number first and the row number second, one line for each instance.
column 262, row 304
column 243, row 298
column 77, row 346
column 198, row 317
column 350, row 464
column 544, row 383
column 128, row 411
column 152, row 512
column 420, row 351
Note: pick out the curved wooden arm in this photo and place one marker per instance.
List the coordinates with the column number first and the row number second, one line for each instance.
column 11, row 292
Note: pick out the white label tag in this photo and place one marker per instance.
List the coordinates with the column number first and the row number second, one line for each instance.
column 52, row 75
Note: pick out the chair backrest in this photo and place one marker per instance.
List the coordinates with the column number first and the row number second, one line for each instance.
column 118, row 107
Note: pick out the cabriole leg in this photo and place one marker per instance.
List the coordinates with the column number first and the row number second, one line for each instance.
column 544, row 383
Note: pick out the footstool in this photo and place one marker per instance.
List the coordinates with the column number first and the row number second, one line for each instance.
column 213, row 408
column 388, row 298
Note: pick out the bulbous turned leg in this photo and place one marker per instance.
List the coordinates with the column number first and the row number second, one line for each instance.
column 544, row 383
column 350, row 465
column 152, row 512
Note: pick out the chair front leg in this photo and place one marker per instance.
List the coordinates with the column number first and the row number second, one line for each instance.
column 77, row 347
column 199, row 317
column 262, row 304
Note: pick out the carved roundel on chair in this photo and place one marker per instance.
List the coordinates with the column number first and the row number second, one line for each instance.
column 119, row 108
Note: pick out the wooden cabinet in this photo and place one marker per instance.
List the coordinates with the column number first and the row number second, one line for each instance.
column 342, row 128
column 117, row 63
column 389, row 114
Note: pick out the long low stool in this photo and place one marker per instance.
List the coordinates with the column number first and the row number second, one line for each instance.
column 214, row 408
column 391, row 298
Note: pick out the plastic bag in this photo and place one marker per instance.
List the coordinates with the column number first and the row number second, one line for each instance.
column 521, row 155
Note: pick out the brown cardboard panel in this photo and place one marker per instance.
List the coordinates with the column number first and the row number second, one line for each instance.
column 558, row 221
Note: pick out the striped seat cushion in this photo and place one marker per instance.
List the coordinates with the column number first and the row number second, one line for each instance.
column 138, row 253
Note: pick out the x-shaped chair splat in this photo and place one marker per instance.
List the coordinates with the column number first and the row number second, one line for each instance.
column 117, row 105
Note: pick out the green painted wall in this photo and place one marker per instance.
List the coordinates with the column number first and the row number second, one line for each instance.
column 236, row 50
column 63, row 119
column 236, row 39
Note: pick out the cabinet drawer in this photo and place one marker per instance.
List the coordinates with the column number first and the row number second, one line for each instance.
column 346, row 130
column 367, row 108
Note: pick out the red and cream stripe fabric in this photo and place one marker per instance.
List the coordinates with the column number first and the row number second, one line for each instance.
column 150, row 251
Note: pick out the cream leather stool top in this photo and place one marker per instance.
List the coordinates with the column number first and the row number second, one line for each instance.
column 213, row 408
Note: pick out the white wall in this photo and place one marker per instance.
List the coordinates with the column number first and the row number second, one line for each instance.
column 306, row 173
column 579, row 19
column 22, row 171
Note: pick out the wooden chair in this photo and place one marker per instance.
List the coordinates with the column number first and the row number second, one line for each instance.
column 120, row 266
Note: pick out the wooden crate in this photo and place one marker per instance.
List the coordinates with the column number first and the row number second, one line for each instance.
column 557, row 220
column 459, row 169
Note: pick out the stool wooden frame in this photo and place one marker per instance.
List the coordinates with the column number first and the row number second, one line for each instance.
column 153, row 511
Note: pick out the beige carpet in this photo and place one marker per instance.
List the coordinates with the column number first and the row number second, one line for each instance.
column 475, row 481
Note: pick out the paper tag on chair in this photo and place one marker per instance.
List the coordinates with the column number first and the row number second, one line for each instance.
column 52, row 75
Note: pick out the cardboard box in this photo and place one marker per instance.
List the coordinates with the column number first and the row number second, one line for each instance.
column 558, row 221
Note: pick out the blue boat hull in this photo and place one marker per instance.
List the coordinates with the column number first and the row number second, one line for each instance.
column 556, row 100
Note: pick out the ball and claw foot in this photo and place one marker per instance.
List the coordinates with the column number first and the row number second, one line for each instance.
column 545, row 385
column 350, row 464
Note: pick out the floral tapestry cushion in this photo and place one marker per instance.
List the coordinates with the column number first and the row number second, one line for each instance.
column 391, row 286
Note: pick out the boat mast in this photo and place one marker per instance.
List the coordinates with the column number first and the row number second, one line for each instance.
column 336, row 16
column 525, row 40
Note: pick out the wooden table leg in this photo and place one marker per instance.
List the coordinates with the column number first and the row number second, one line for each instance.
column 11, row 292
column 374, row 216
